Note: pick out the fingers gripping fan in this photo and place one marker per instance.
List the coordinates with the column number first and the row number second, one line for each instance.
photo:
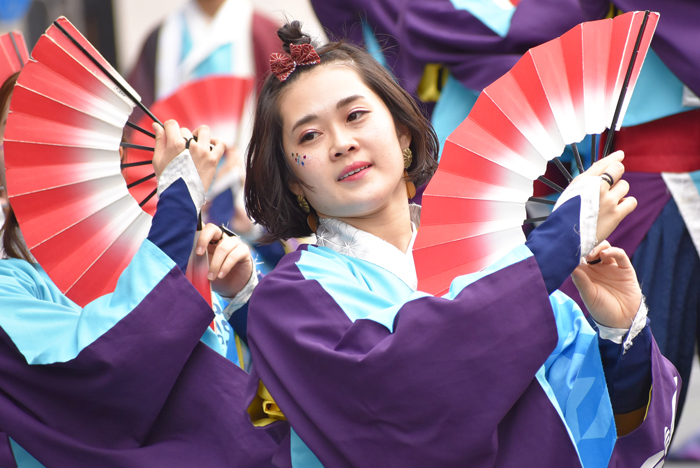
column 577, row 84
column 62, row 139
column 216, row 101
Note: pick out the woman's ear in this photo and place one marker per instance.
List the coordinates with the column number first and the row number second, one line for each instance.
column 404, row 135
column 295, row 187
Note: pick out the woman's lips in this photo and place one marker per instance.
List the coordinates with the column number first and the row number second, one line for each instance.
column 354, row 171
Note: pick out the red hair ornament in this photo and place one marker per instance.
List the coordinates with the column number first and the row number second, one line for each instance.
column 282, row 65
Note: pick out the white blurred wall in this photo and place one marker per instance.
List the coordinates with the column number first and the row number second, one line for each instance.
column 136, row 18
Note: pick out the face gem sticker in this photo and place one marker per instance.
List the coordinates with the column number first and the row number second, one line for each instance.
column 300, row 160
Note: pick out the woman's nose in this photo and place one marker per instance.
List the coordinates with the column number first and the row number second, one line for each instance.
column 344, row 144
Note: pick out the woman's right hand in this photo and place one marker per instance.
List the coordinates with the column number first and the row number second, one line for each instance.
column 171, row 140
column 230, row 262
column 614, row 205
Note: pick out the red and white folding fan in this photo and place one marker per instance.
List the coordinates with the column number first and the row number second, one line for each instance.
column 13, row 54
column 62, row 139
column 216, row 101
column 474, row 207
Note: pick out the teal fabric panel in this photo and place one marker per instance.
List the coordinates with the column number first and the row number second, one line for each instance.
column 658, row 93
column 220, row 340
column 372, row 44
column 695, row 177
column 496, row 15
column 47, row 327
column 380, row 294
column 454, row 105
column 22, row 457
column 575, row 373
column 302, row 456
column 220, row 61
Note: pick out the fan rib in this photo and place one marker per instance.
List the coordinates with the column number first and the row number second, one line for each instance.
column 107, row 73
column 544, row 201
column 550, row 184
column 124, row 144
column 535, row 220
column 14, row 44
column 135, row 164
column 141, row 180
column 150, row 195
column 594, row 149
column 562, row 169
column 139, row 129
column 625, row 84
column 577, row 156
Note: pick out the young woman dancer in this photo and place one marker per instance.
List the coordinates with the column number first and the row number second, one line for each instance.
column 125, row 381
column 503, row 370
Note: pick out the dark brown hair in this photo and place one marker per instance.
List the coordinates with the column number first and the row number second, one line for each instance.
column 269, row 200
column 12, row 242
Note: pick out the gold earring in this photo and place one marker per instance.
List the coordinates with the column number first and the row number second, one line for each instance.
column 312, row 221
column 407, row 158
column 303, row 203
column 410, row 187
column 312, row 218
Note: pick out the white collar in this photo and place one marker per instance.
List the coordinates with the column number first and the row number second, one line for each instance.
column 232, row 24
column 348, row 240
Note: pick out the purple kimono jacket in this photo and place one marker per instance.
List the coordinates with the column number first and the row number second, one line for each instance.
column 125, row 381
column 370, row 373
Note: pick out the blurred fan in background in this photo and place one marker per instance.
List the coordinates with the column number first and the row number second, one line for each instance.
column 204, row 38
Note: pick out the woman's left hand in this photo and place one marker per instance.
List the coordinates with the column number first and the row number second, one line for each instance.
column 610, row 288
column 230, row 263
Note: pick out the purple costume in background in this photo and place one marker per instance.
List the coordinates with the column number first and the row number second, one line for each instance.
column 419, row 33
column 674, row 33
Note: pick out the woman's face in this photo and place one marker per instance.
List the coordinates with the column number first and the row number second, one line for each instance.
column 341, row 141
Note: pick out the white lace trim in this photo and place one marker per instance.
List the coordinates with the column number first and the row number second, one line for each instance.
column 588, row 188
column 617, row 335
column 243, row 296
column 348, row 240
column 182, row 167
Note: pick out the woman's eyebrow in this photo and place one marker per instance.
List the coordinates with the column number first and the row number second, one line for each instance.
column 348, row 100
column 342, row 103
column 304, row 120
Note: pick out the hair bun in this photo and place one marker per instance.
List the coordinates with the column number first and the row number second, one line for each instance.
column 291, row 33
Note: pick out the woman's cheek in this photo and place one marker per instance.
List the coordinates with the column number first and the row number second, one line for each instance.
column 302, row 160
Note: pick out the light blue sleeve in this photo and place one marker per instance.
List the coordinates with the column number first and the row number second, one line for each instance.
column 574, row 380
column 47, row 327
column 379, row 296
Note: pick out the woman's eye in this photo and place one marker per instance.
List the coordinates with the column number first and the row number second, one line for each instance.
column 355, row 115
column 308, row 136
